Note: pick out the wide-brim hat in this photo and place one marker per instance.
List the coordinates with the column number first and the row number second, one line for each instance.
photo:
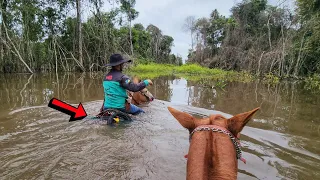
column 117, row 59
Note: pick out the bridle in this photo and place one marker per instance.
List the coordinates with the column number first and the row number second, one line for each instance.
column 144, row 93
column 214, row 128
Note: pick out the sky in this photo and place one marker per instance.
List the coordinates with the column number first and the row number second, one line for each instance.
column 169, row 16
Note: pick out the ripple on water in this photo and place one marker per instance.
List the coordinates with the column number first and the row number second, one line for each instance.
column 47, row 146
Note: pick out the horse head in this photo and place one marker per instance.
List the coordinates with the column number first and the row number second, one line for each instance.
column 214, row 144
column 141, row 97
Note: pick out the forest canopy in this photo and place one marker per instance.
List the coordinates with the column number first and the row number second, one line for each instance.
column 39, row 35
column 259, row 38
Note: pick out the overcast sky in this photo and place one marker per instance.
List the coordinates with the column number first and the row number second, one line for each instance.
column 169, row 16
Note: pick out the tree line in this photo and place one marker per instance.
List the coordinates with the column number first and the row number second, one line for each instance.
column 259, row 38
column 39, row 36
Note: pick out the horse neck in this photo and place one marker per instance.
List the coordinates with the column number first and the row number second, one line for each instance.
column 135, row 99
column 211, row 156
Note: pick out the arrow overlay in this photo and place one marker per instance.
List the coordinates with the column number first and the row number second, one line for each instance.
column 75, row 113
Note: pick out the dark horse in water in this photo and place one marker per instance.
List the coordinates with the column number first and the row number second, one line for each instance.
column 139, row 98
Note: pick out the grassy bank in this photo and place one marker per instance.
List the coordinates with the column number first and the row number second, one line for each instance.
column 190, row 72
column 206, row 75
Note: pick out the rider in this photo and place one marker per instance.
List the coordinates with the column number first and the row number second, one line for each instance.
column 115, row 85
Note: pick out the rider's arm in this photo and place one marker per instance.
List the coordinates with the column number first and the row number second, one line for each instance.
column 129, row 85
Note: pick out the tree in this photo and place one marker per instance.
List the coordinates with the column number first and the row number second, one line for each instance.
column 38, row 36
column 141, row 40
column 260, row 38
column 127, row 6
column 79, row 32
column 138, row 26
column 165, row 48
column 201, row 27
column 179, row 60
column 156, row 35
column 189, row 26
column 3, row 39
column 308, row 43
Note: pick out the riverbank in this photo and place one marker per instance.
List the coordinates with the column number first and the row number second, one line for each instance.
column 195, row 72
column 208, row 77
column 203, row 74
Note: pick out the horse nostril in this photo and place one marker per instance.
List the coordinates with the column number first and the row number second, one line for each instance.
column 152, row 99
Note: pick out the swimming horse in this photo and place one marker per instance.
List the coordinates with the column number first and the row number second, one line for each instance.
column 139, row 98
column 214, row 144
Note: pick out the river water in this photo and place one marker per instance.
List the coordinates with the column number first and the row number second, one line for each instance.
column 37, row 142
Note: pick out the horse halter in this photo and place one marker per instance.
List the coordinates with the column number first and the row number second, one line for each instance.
column 144, row 93
column 214, row 128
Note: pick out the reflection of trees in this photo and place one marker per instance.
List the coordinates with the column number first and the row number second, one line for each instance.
column 21, row 90
column 285, row 107
column 201, row 96
column 24, row 87
column 161, row 88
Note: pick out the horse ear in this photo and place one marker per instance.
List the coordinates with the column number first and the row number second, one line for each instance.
column 237, row 122
column 185, row 119
column 135, row 80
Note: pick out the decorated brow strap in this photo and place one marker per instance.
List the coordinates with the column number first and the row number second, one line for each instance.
column 213, row 128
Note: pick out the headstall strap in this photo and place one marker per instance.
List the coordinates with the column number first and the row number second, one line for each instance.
column 218, row 129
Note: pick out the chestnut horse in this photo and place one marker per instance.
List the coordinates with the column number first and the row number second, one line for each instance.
column 214, row 144
column 141, row 97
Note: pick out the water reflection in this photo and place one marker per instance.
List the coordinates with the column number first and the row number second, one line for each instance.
column 284, row 133
column 285, row 107
column 23, row 90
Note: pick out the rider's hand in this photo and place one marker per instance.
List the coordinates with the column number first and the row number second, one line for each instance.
column 150, row 82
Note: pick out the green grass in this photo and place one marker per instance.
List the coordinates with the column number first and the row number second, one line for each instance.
column 147, row 68
column 189, row 71
column 210, row 77
column 270, row 79
column 313, row 82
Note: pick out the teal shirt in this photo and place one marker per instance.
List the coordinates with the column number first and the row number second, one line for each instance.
column 114, row 95
column 115, row 85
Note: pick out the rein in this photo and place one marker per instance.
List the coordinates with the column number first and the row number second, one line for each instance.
column 214, row 128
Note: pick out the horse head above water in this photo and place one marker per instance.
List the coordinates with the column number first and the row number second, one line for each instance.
column 214, row 146
column 140, row 97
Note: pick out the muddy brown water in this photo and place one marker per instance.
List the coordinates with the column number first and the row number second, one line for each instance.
column 37, row 142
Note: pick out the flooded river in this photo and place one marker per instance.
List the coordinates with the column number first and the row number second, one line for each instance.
column 37, row 142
